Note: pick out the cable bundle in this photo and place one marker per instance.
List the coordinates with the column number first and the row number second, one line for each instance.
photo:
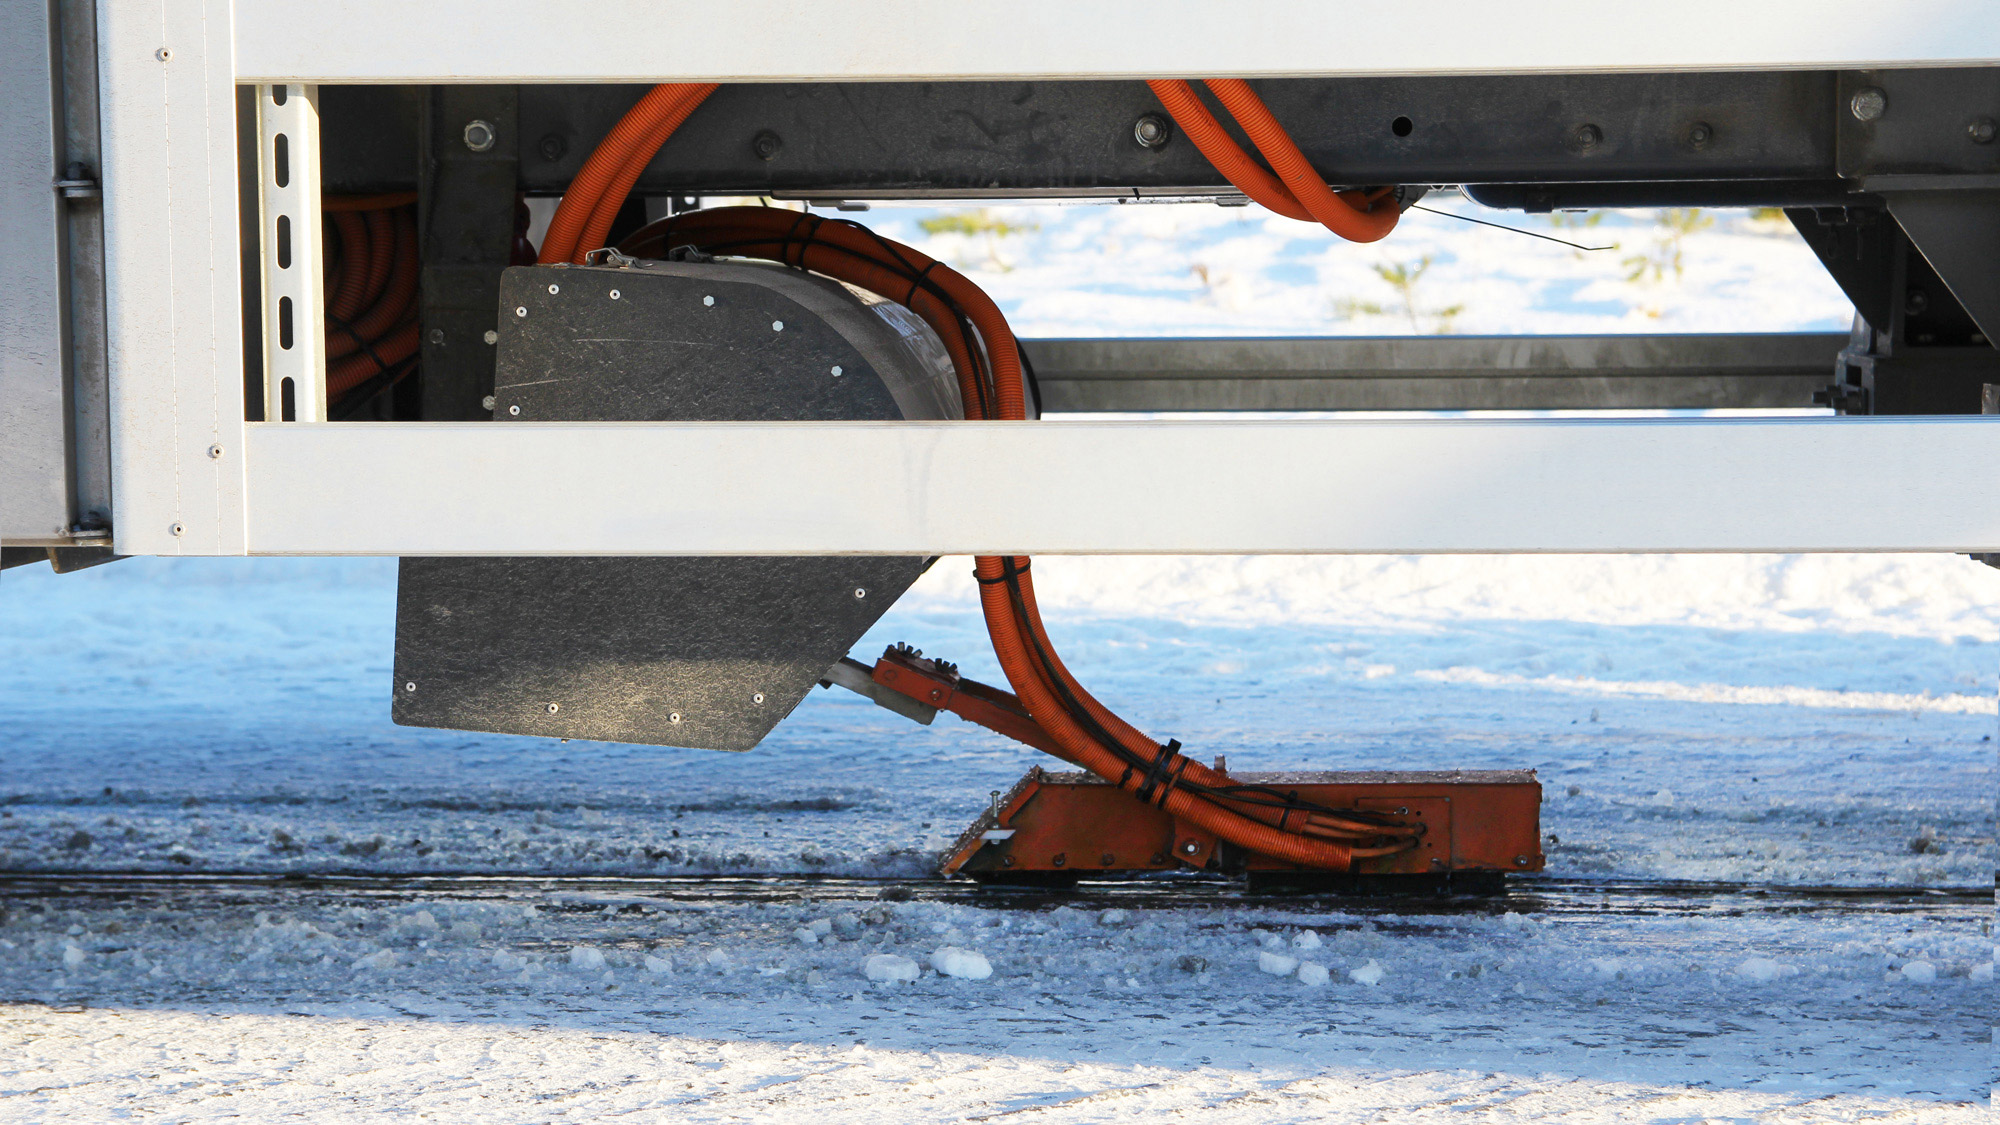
column 988, row 361
column 371, row 290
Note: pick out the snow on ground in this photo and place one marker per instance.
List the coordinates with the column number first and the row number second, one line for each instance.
column 1775, row 720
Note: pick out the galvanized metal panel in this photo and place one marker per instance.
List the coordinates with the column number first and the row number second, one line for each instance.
column 1086, row 487
column 763, row 40
column 34, row 424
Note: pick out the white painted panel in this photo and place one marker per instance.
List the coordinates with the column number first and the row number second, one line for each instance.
column 764, row 40
column 173, row 306
column 1126, row 487
column 289, row 241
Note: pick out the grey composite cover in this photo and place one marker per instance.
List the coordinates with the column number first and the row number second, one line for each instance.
column 699, row 652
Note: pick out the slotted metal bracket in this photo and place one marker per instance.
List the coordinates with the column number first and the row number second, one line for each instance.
column 289, row 227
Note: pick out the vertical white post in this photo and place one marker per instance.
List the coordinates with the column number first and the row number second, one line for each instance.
column 289, row 225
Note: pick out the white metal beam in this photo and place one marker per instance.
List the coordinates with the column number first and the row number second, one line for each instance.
column 289, row 245
column 774, row 40
column 1124, row 487
column 173, row 308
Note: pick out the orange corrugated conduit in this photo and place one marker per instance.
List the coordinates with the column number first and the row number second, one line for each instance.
column 984, row 350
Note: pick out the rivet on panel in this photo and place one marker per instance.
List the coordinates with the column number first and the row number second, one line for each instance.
column 860, row 592
column 674, row 717
column 614, row 294
column 520, row 310
column 409, row 685
column 554, row 289
column 514, row 410
column 554, row 707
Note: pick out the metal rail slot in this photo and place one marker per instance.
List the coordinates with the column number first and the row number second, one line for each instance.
column 288, row 185
column 1777, row 370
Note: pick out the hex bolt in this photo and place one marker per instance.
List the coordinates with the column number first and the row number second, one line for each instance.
column 836, row 371
column 554, row 289
column 1586, row 137
column 177, row 529
column 514, row 410
column 553, row 147
column 1060, row 860
column 491, row 336
column 767, row 145
column 1520, row 861
column 164, row 54
column 708, row 302
column 1915, row 302
column 777, row 326
column 486, row 403
column 757, row 698
column 214, row 452
column 480, row 135
column 1106, row 860
column 860, row 592
column 554, row 707
column 437, row 335
column 993, row 805
column 615, row 294
column 1437, row 864
column 1869, row 103
column 1699, row 134
column 675, row 717
column 1152, row 131
column 520, row 310
column 409, row 685
column 1190, row 847
column 1981, row 131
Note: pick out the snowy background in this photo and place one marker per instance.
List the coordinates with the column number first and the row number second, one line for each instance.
column 1796, row 721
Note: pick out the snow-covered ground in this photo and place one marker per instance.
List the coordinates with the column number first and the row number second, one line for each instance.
column 1804, row 721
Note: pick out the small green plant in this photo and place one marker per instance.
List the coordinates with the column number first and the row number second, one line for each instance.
column 1402, row 277
column 1670, row 228
column 978, row 224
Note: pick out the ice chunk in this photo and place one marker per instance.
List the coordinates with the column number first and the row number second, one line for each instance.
column 380, row 959
column 1370, row 974
column 846, row 925
column 658, row 964
column 1306, row 939
column 1266, row 938
column 585, row 957
column 805, row 935
column 507, row 961
column 888, row 966
column 1763, row 970
column 73, row 955
column 717, row 959
column 964, row 964
column 1312, row 973
column 1276, row 964
column 1916, row 972
column 1112, row 918
column 1982, row 973
column 466, row 931
column 820, row 927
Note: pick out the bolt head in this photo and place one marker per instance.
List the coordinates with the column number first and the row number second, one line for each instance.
column 176, row 529
column 1869, row 103
column 1699, row 134
column 836, row 371
column 1586, row 137
column 777, row 326
column 1520, row 861
column 1189, row 847
column 492, row 337
column 164, row 54
column 708, row 302
column 486, row 403
column 553, row 147
column 767, row 145
column 1152, row 131
column 437, row 335
column 1982, row 131
column 480, row 136
column 214, row 451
